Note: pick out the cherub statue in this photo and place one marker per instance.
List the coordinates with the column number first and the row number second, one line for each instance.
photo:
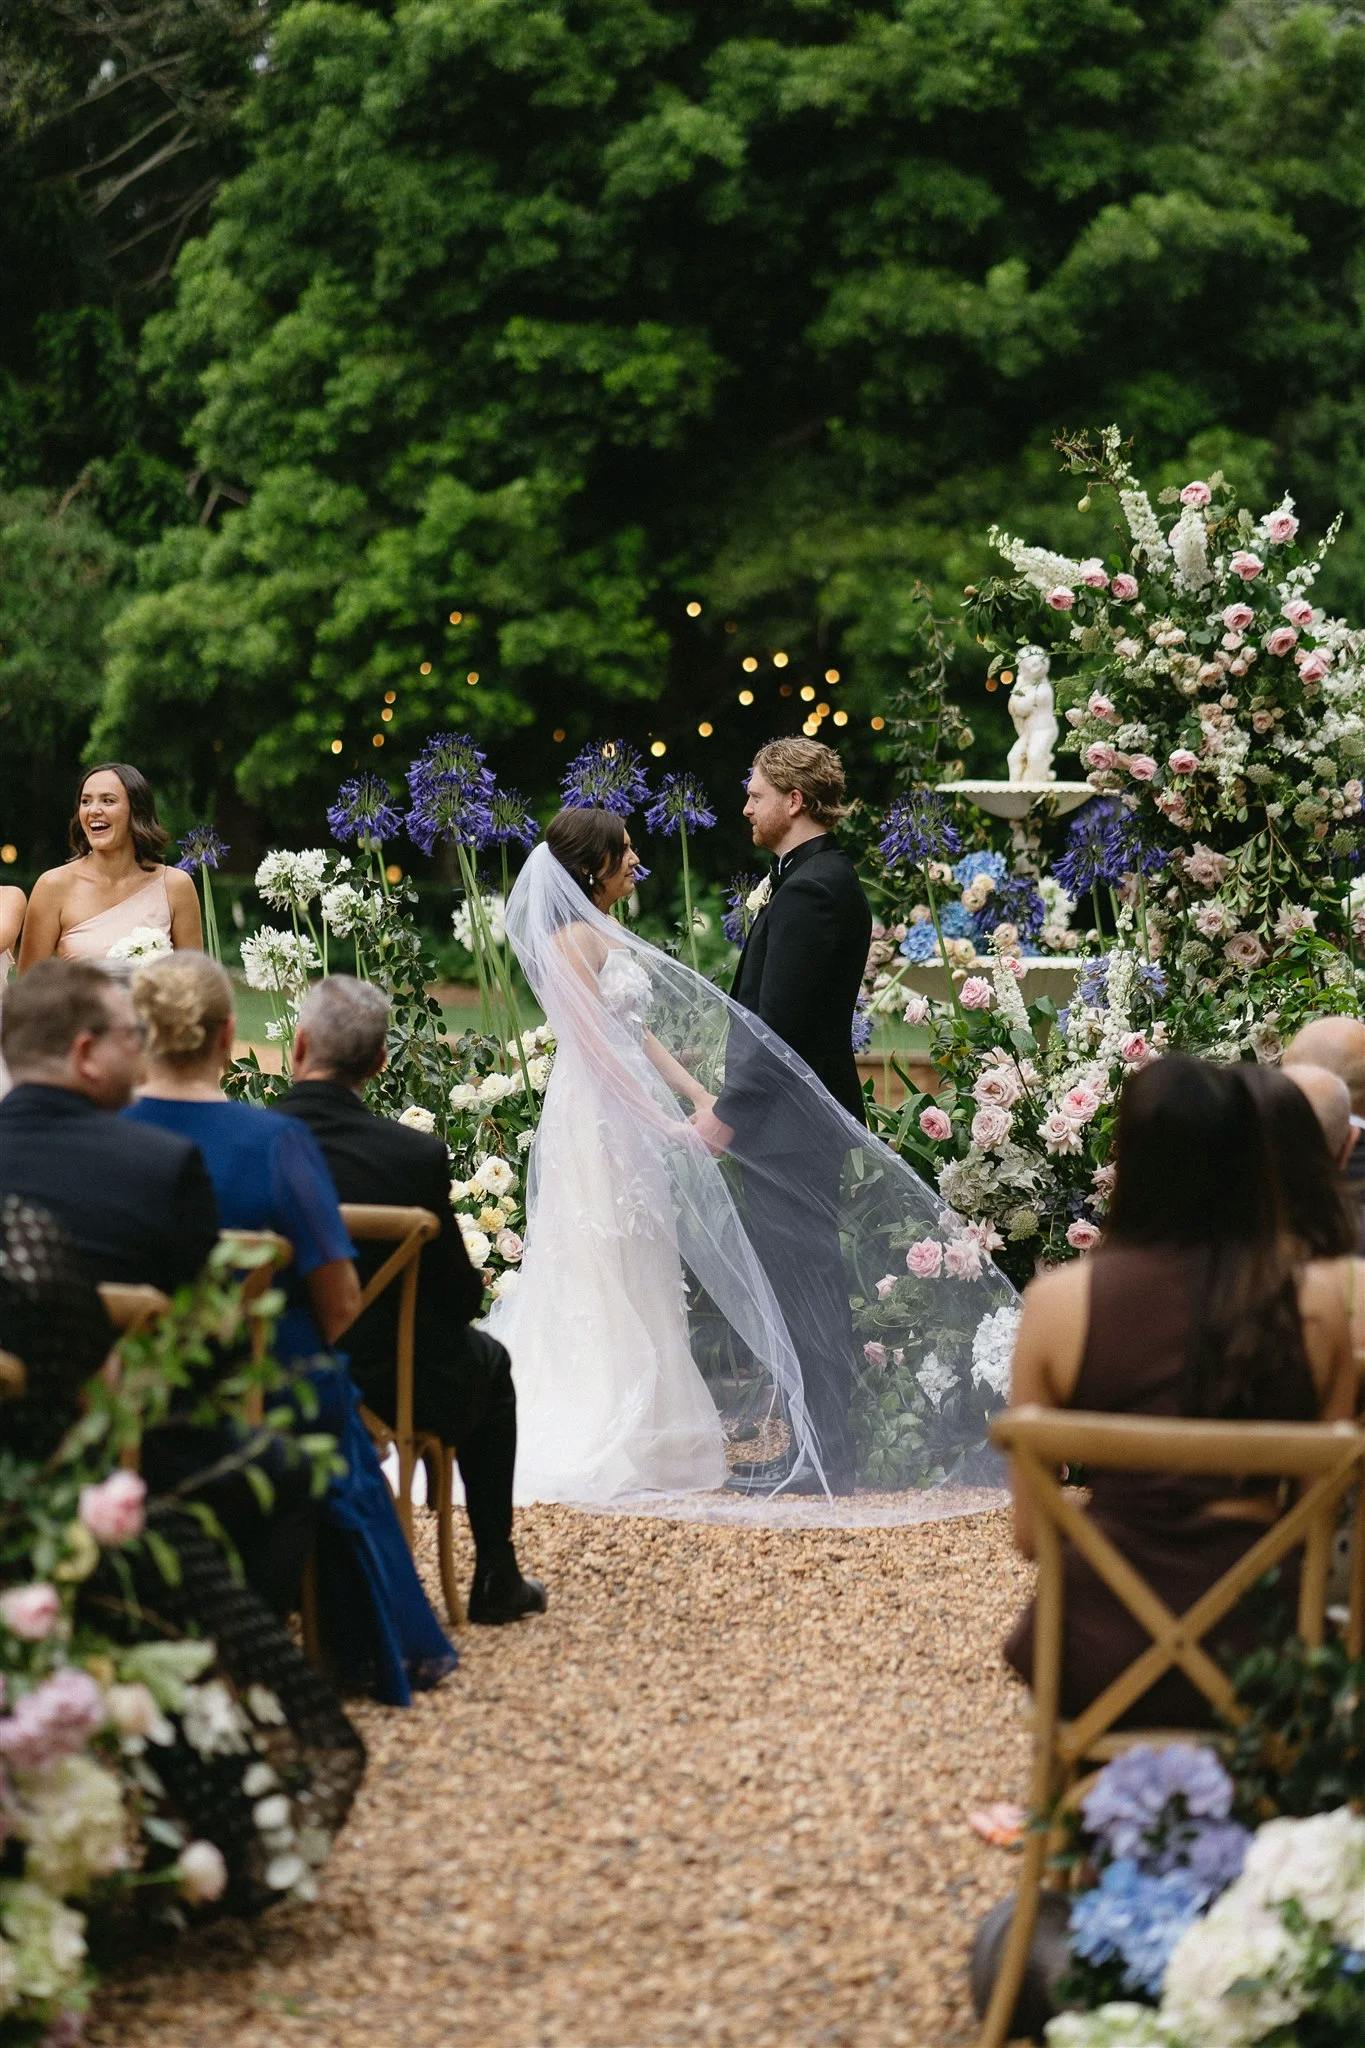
column 1035, row 721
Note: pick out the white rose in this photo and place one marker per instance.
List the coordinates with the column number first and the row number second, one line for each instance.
column 136, row 1716
column 497, row 1088
column 271, row 1813
column 414, row 1118
column 464, row 1095
column 493, row 1176
column 203, row 1873
column 538, row 1071
column 475, row 1242
column 505, row 1284
column 757, row 897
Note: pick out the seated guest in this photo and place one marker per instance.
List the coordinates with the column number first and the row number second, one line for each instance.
column 1338, row 1043
column 1307, row 1116
column 269, row 1175
column 137, row 1203
column 462, row 1382
column 1198, row 1303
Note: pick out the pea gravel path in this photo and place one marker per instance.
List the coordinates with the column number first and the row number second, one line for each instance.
column 717, row 1797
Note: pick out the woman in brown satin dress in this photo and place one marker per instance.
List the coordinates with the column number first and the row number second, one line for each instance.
column 116, row 880
column 1200, row 1302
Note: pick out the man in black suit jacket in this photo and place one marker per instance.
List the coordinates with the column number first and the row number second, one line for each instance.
column 462, row 1379
column 800, row 972
column 136, row 1202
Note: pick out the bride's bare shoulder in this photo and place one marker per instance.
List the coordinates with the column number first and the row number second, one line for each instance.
column 582, row 945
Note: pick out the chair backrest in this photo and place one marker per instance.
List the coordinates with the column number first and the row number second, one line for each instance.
column 131, row 1308
column 256, row 1279
column 1324, row 1459
column 407, row 1230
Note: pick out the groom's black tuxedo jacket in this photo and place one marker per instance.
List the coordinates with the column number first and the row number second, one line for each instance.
column 800, row 971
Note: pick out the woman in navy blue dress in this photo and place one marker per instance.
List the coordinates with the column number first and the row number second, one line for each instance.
column 268, row 1174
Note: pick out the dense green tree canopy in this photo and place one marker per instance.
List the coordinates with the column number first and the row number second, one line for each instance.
column 562, row 314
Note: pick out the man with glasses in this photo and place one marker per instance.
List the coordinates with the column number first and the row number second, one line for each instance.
column 136, row 1202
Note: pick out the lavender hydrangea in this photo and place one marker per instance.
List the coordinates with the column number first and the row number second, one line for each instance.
column 1133, row 1796
column 607, row 775
column 681, row 804
column 918, row 828
column 1134, row 1919
column 200, row 848
column 363, row 809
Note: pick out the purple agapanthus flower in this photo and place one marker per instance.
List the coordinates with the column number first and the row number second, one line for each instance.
column 511, row 822
column 862, row 1027
column 1129, row 852
column 1092, row 987
column 451, row 811
column 918, row 828
column 450, row 754
column 1142, row 1790
column 1134, row 1919
column 737, row 908
column 1088, row 860
column 1014, row 901
column 200, row 848
column 681, row 804
column 364, row 810
column 607, row 775
column 1153, row 979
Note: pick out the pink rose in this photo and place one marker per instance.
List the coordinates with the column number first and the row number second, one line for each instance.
column 1100, row 757
column 1246, row 565
column 1280, row 527
column 115, row 1510
column 1102, row 1180
column 1124, row 588
column 1079, row 1103
column 1134, row 1050
column 1142, row 767
column 935, row 1124
column 1060, row 1133
column 962, row 1259
column 885, row 1285
column 1205, row 868
column 996, row 1088
column 1280, row 640
column 1083, row 1237
column 1211, row 920
column 976, row 993
column 1313, row 667
column 1238, row 617
column 1299, row 612
column 991, row 1126
column 508, row 1246
column 917, row 1010
column 1196, row 494
column 1245, row 950
column 1262, row 721
column 1101, row 707
column 1093, row 574
column 31, row 1612
column 1061, row 599
column 875, row 1354
column 925, row 1259
column 1182, row 762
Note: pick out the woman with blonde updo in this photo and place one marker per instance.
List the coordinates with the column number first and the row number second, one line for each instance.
column 268, row 1173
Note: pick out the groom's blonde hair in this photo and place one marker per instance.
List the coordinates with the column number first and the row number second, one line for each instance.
column 815, row 770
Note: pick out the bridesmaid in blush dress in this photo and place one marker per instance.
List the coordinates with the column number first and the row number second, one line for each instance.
column 116, row 881
column 13, row 904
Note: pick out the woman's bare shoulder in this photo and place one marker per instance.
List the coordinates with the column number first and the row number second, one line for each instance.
column 179, row 886
column 1331, row 1287
column 54, row 885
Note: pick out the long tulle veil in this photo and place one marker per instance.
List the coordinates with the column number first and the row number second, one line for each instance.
column 822, row 1281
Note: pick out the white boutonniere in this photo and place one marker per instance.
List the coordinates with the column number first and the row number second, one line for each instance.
column 757, row 898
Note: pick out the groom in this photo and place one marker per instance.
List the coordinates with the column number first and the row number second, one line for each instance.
column 800, row 972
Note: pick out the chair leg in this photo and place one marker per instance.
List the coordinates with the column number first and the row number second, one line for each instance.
column 407, row 1465
column 445, row 1537
column 308, row 1614
column 1009, row 1977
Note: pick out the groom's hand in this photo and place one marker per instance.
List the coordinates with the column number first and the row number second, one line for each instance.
column 716, row 1136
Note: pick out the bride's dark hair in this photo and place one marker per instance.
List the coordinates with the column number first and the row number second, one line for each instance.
column 589, row 844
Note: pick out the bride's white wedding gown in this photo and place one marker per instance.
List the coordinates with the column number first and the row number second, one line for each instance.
column 609, row 1400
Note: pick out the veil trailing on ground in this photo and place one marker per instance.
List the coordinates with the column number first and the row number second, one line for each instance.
column 844, row 1323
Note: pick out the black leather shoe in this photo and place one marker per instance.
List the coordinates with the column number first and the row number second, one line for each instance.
column 494, row 1600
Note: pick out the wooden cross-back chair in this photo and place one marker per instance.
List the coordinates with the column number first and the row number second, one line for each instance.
column 1323, row 1459
column 408, row 1230
column 132, row 1308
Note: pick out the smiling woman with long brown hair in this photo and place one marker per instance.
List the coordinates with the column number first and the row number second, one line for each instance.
column 116, row 880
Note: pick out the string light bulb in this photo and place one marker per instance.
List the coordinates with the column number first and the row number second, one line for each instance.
column 694, row 610
column 424, row 669
column 473, row 676
column 9, row 854
column 706, row 728
column 749, row 664
column 831, row 675
column 455, row 618
column 811, row 727
column 386, row 715
column 390, row 696
column 336, row 746
column 558, row 733
column 377, row 740
column 394, row 872
column 841, row 718
column 822, row 710
column 658, row 750
column 780, row 660
column 878, row 724
column 807, row 693
column 746, row 696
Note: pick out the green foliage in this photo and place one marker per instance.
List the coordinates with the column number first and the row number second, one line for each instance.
column 1301, row 1749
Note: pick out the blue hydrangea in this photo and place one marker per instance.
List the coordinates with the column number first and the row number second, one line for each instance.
column 1145, row 1787
column 920, row 944
column 1210, row 1852
column 973, row 864
column 1135, row 1920
column 1016, row 901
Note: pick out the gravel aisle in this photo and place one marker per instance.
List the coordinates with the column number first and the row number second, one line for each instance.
column 717, row 1797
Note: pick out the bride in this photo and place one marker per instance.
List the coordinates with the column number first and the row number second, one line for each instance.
column 645, row 1333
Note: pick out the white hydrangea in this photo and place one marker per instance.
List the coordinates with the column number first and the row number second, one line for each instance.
column 993, row 1348
column 70, row 1814
column 1234, row 1976
column 1119, row 2024
column 1320, row 1862
column 143, row 942
column 279, row 962
column 935, row 1379
column 495, row 915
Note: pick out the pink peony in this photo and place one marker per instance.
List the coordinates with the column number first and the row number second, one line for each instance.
column 1100, row 757
column 31, row 1612
column 917, row 1010
column 962, row 1258
column 115, row 1510
column 1142, row 767
column 1083, row 1236
column 1246, row 565
column 1313, row 667
column 1238, row 617
column 1061, row 599
column 1080, row 1103
column 1280, row 640
column 875, row 1354
column 1299, row 612
column 1182, row 762
column 885, row 1285
column 1124, row 587
column 935, row 1124
column 991, row 1126
column 1101, row 707
column 1280, row 527
column 925, row 1259
column 1093, row 574
column 1197, row 494
column 976, row 993
column 508, row 1246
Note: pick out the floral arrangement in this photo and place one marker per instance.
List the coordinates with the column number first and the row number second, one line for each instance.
column 1200, row 1932
column 143, row 942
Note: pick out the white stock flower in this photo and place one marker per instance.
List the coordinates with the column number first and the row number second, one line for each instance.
column 143, row 942
column 1190, row 548
column 935, row 1379
column 1144, row 526
column 493, row 1176
column 415, row 1118
column 1038, row 566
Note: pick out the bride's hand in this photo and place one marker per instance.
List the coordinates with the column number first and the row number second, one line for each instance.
column 702, row 1103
